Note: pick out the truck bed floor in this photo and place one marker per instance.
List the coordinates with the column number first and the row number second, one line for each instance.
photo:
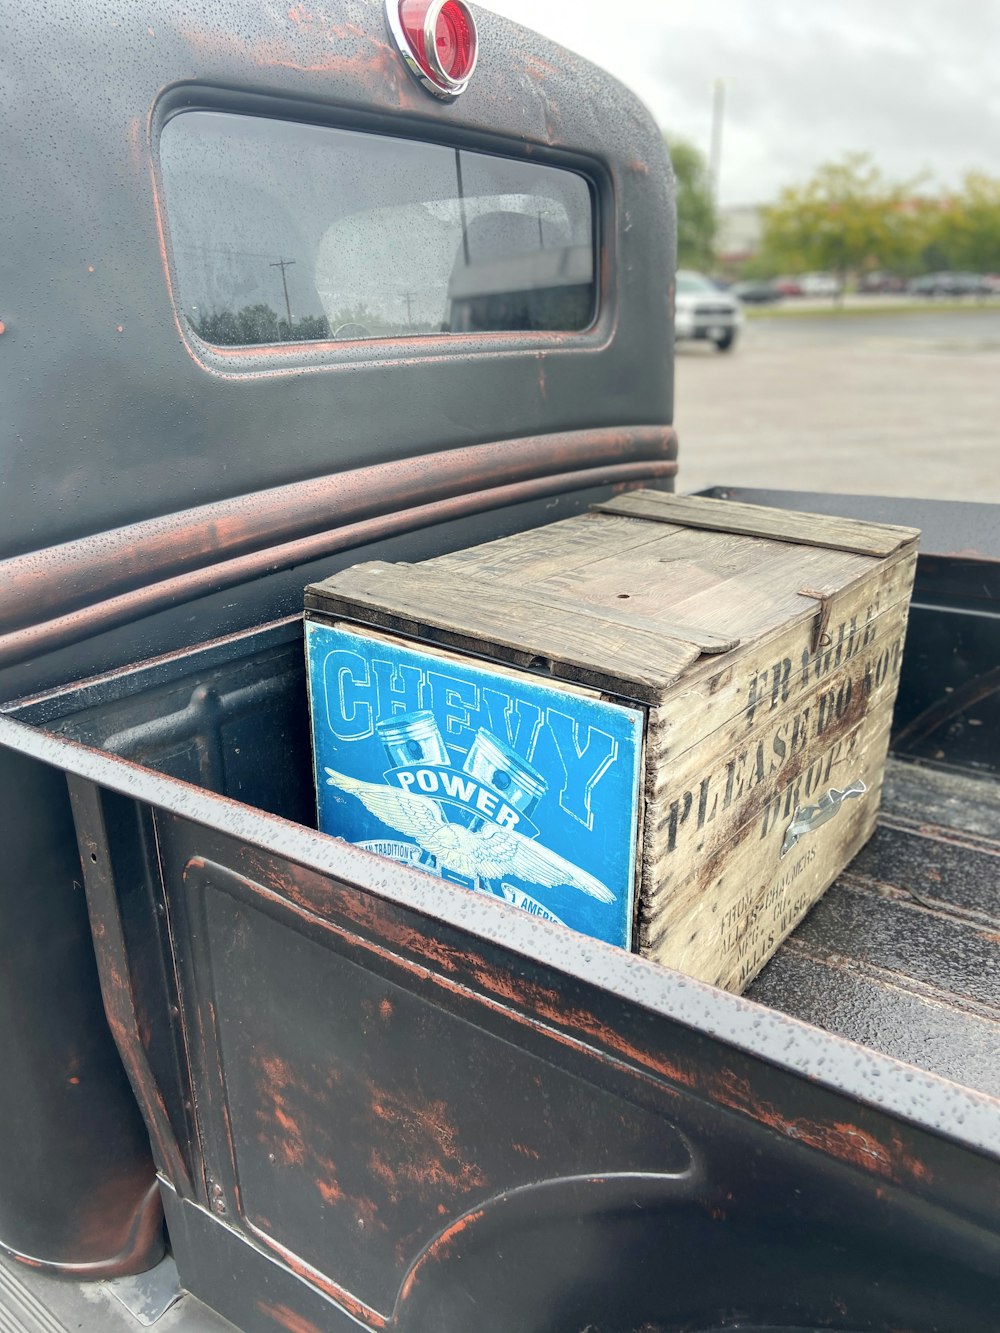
column 33, row 1302
column 903, row 953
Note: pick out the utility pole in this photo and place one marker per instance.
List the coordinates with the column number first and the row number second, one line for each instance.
column 718, row 114
column 408, row 298
column 283, row 264
column 461, row 207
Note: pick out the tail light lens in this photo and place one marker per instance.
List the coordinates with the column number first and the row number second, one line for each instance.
column 438, row 41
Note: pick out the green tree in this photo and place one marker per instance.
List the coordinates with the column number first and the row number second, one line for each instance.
column 848, row 217
column 966, row 228
column 697, row 221
column 258, row 324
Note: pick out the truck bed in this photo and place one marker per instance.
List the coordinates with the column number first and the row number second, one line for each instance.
column 903, row 952
column 898, row 957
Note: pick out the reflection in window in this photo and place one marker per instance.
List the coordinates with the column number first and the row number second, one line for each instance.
column 282, row 232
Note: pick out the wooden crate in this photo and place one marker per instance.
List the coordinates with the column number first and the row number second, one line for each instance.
column 747, row 659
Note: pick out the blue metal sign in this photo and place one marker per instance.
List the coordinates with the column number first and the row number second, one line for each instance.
column 494, row 782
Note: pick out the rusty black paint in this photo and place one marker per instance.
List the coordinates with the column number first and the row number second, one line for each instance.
column 183, row 435
column 903, row 953
column 60, row 579
column 88, row 303
column 76, row 1201
column 139, row 602
column 753, row 1154
column 295, row 1114
column 115, row 961
column 776, row 1149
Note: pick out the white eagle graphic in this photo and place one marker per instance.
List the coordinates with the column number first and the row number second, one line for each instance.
column 489, row 852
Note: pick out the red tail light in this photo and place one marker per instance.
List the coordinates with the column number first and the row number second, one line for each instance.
column 437, row 39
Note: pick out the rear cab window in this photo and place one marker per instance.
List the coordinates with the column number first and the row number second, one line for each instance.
column 286, row 232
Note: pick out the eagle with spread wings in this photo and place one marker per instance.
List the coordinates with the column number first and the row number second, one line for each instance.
column 489, row 852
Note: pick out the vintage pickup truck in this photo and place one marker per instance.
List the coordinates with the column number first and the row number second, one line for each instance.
column 287, row 288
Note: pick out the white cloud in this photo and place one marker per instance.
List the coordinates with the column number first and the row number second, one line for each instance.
column 913, row 82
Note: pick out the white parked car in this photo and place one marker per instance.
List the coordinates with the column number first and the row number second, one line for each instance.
column 819, row 284
column 702, row 310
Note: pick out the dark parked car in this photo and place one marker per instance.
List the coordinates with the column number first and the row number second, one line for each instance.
column 756, row 292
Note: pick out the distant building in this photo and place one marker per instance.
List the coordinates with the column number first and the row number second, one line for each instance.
column 741, row 230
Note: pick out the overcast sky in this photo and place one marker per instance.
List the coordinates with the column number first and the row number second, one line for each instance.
column 915, row 82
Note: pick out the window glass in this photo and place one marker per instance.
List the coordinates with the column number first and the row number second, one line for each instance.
column 687, row 281
column 284, row 232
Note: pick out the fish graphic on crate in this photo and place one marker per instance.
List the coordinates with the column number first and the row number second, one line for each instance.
column 495, row 782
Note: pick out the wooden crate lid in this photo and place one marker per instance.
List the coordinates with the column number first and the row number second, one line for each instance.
column 786, row 525
column 611, row 599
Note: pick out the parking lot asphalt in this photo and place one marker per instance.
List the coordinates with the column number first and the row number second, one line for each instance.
column 894, row 404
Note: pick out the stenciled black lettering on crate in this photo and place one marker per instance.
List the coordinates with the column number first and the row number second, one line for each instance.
column 764, row 649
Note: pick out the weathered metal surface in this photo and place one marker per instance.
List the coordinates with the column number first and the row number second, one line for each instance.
column 949, row 711
column 59, row 579
column 415, row 1102
column 252, row 774
column 34, row 1302
column 87, row 302
column 904, row 952
column 775, row 1149
column 76, row 1176
column 101, row 615
column 91, row 815
column 181, row 623
column 116, row 418
column 148, row 1296
column 349, row 1069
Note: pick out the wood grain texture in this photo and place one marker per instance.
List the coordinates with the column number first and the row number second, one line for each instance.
column 765, row 672
column 839, row 534
column 664, row 626
column 573, row 543
column 722, row 777
column 730, row 918
column 766, row 646
column 722, row 782
column 731, row 586
column 486, row 618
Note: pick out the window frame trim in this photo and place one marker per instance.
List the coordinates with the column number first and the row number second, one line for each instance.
column 265, row 359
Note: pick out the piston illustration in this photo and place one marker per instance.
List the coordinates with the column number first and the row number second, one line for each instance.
column 497, row 766
column 412, row 738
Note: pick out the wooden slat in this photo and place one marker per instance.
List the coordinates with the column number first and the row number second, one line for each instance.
column 737, row 585
column 723, row 919
column 572, row 544
column 697, row 511
column 482, row 617
column 662, row 626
